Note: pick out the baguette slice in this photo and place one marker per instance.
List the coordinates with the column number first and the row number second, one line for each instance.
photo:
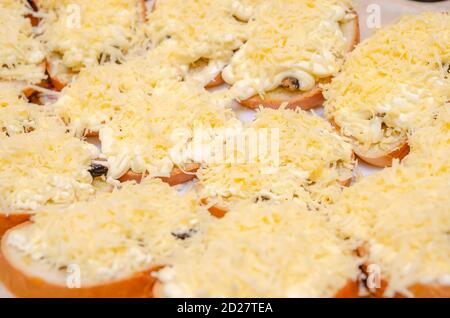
column 219, row 211
column 28, row 279
column 384, row 159
column 350, row 290
column 177, row 176
column 218, row 80
column 377, row 158
column 304, row 100
column 59, row 75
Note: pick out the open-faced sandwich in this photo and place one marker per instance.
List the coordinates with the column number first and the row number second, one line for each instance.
column 293, row 47
column 392, row 84
column 80, row 33
column 41, row 168
column 200, row 36
column 22, row 57
column 405, row 237
column 101, row 93
column 263, row 250
column 105, row 247
column 141, row 142
column 308, row 162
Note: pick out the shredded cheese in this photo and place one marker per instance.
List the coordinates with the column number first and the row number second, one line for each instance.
column 88, row 32
column 44, row 167
column 313, row 162
column 401, row 215
column 21, row 54
column 17, row 116
column 430, row 146
column 111, row 236
column 393, row 83
column 290, row 38
column 192, row 31
column 262, row 250
column 141, row 140
column 100, row 93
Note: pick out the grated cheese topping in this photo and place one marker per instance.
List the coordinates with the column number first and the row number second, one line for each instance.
column 401, row 215
column 262, row 250
column 142, row 140
column 21, row 54
column 100, row 93
column 112, row 236
column 430, row 146
column 88, row 32
column 196, row 31
column 17, row 116
column 44, row 167
column 290, row 38
column 412, row 56
column 311, row 161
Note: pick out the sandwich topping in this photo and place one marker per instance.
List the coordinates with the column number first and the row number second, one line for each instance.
column 44, row 167
column 129, row 231
column 401, row 216
column 262, row 250
column 17, row 116
column 197, row 32
column 299, row 39
column 102, row 92
column 311, row 162
column 143, row 140
column 393, row 83
column 88, row 32
column 21, row 54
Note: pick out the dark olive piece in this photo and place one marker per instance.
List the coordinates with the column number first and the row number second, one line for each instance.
column 98, row 170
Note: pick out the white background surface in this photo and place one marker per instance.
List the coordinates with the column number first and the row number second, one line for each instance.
column 389, row 11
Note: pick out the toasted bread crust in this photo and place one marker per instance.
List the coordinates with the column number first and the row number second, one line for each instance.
column 215, row 210
column 385, row 160
column 350, row 290
column 57, row 83
column 217, row 81
column 8, row 221
column 303, row 100
column 177, row 176
column 23, row 285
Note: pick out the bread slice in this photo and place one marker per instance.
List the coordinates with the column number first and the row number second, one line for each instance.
column 384, row 159
column 377, row 158
column 176, row 177
column 304, row 100
column 218, row 80
column 220, row 211
column 29, row 280
column 60, row 75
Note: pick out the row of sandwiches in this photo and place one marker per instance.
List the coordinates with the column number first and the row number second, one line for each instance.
column 113, row 220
